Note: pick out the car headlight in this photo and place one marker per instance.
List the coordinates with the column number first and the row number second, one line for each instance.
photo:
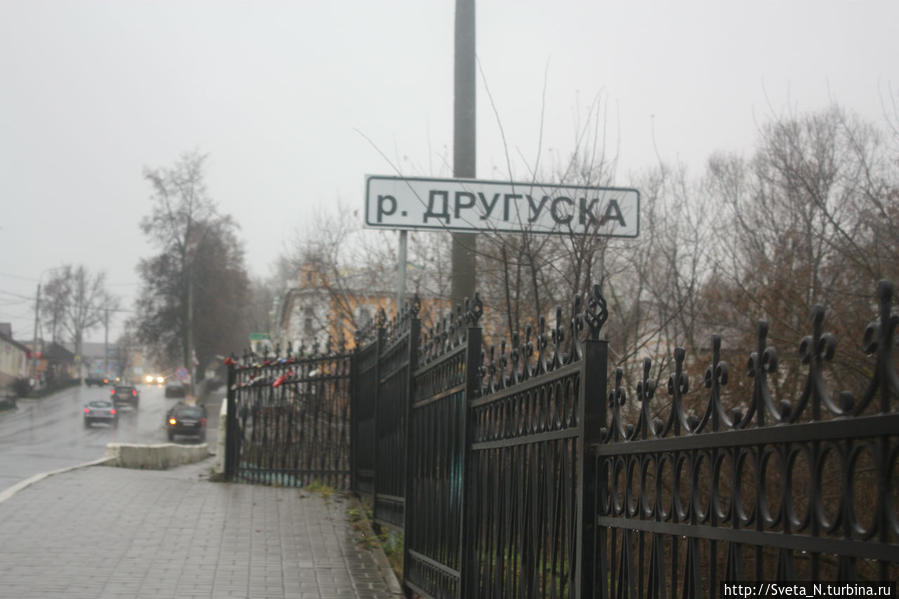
column 149, row 378
column 160, row 379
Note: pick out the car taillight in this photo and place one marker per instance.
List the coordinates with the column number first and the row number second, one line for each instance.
column 134, row 392
column 87, row 410
column 112, row 411
column 172, row 421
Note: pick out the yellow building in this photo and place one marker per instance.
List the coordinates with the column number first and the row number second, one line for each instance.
column 322, row 306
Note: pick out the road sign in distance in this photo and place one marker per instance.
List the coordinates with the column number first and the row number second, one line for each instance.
column 476, row 205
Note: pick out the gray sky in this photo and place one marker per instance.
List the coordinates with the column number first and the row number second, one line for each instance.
column 282, row 96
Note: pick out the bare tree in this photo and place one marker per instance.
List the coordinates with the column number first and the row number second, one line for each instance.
column 76, row 302
column 180, row 203
column 812, row 219
column 195, row 291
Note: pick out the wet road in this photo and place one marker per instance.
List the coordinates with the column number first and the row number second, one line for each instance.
column 48, row 434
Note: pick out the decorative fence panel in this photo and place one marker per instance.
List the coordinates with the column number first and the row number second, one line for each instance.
column 289, row 420
column 521, row 475
column 395, row 363
column 365, row 405
column 448, row 370
column 801, row 490
column 527, row 530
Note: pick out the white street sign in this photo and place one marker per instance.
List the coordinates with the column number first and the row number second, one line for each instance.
column 475, row 205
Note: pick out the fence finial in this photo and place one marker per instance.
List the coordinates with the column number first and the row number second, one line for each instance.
column 475, row 310
column 596, row 312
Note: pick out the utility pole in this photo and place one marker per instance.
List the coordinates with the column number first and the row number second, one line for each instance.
column 464, row 145
column 37, row 307
column 190, row 331
column 106, row 342
column 401, row 272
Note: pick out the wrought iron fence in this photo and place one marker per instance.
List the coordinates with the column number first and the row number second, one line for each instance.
column 778, row 489
column 447, row 371
column 399, row 338
column 289, row 419
column 520, row 473
column 364, row 402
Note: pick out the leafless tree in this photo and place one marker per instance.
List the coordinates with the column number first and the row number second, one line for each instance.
column 812, row 219
column 77, row 301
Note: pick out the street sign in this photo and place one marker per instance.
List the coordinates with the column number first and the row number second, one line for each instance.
column 182, row 374
column 500, row 206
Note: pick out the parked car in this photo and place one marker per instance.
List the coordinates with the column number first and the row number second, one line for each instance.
column 96, row 379
column 125, row 395
column 175, row 388
column 187, row 420
column 101, row 410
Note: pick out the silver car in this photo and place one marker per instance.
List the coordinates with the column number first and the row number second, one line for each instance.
column 100, row 411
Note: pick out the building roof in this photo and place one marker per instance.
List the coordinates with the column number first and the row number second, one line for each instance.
column 6, row 335
column 54, row 352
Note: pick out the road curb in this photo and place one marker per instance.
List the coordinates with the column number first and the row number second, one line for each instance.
column 24, row 484
column 393, row 585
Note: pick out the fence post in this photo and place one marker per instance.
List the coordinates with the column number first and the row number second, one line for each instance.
column 412, row 361
column 473, row 362
column 230, row 423
column 354, row 429
column 593, row 476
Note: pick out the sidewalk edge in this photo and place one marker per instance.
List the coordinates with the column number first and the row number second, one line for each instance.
column 393, row 585
column 24, row 484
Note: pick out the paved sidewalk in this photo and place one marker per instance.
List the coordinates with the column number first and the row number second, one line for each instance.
column 110, row 532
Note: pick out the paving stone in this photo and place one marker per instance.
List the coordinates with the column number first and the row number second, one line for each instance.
column 111, row 532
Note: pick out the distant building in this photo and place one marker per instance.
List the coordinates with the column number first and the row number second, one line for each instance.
column 13, row 357
column 316, row 308
column 54, row 363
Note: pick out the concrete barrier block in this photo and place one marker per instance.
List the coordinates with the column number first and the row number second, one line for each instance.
column 155, row 457
column 219, row 467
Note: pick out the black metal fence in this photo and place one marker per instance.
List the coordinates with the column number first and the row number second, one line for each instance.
column 289, row 420
column 524, row 471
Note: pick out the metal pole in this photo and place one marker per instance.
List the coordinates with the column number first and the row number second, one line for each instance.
column 106, row 342
column 464, row 144
column 401, row 270
column 37, row 307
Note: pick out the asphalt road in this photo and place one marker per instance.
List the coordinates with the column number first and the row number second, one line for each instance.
column 49, row 434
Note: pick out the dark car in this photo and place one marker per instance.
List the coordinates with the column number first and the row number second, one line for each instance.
column 96, row 379
column 125, row 395
column 101, row 410
column 175, row 388
column 187, row 420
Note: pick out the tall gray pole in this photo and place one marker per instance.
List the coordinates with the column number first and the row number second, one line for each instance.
column 401, row 261
column 464, row 129
column 106, row 342
column 37, row 307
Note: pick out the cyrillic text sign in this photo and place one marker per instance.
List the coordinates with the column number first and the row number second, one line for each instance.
column 475, row 205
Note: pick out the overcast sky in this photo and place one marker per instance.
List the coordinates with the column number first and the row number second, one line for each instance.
column 285, row 96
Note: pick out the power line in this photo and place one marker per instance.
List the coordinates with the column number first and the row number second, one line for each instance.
column 6, row 274
column 14, row 303
column 25, row 297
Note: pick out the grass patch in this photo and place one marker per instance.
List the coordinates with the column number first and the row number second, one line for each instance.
column 389, row 541
column 316, row 486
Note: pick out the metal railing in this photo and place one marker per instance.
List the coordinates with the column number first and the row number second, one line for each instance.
column 526, row 472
